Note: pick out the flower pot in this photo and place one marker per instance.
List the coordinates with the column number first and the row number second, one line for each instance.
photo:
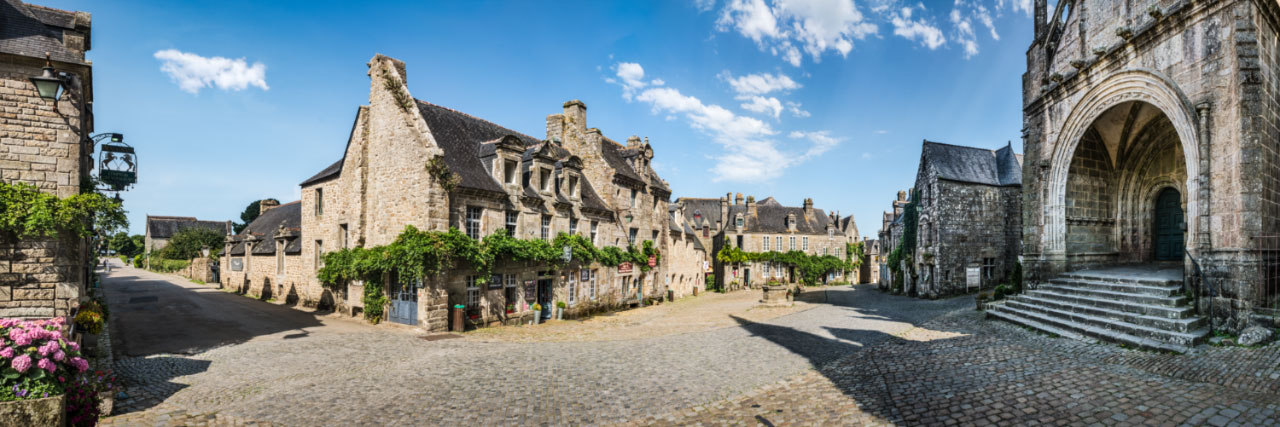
column 106, row 402
column 49, row 411
column 90, row 342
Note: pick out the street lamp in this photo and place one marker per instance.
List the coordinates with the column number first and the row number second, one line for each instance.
column 49, row 82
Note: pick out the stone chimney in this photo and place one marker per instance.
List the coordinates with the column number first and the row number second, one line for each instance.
column 902, row 195
column 633, row 141
column 808, row 207
column 751, row 205
column 724, row 210
column 266, row 205
column 575, row 113
column 737, row 199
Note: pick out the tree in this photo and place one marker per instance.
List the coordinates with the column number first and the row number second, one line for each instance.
column 123, row 244
column 250, row 213
column 187, row 243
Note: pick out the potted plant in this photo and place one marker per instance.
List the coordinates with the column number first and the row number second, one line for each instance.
column 537, row 313
column 91, row 319
column 511, row 308
column 560, row 306
column 39, row 366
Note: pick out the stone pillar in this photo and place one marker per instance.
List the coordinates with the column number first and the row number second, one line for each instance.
column 1203, row 232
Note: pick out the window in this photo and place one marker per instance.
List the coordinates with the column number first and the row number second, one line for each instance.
column 706, row 231
column 655, row 236
column 792, row 240
column 765, row 246
column 804, row 242
column 509, row 171
column 631, row 236
column 544, row 179
column 512, row 218
column 573, row 288
column 634, row 196
column 473, row 222
column 473, row 292
column 319, row 261
column 739, row 241
column 839, row 250
column 988, row 269
column 546, row 227
column 592, row 284
column 319, row 201
column 777, row 272
column 626, row 286
column 766, row 269
column 824, row 251
column 594, row 225
column 573, row 186
column 830, row 232
column 344, row 236
column 739, row 221
column 778, row 240
column 573, row 226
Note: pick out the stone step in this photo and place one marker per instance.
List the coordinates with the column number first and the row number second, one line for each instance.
column 997, row 310
column 1120, row 287
column 1170, row 301
column 1039, row 321
column 1121, row 278
column 1044, row 305
column 1178, row 312
column 1083, row 322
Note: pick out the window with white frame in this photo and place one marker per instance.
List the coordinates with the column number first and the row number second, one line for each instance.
column 513, row 218
column 594, row 226
column 804, row 242
column 778, row 240
column 473, row 221
column 592, row 283
column 766, row 269
column 344, row 233
column 473, row 292
column 546, row 227
column 777, row 272
column 626, row 286
column 792, row 240
column 573, row 288
column 765, row 242
column 631, row 236
column 573, row 226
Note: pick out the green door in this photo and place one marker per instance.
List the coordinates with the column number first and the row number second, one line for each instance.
column 1168, row 239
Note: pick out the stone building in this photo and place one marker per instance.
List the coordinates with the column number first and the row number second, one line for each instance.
column 686, row 256
column 869, row 271
column 44, row 143
column 970, row 212
column 1151, row 132
column 889, row 236
column 265, row 259
column 575, row 180
column 161, row 228
column 763, row 227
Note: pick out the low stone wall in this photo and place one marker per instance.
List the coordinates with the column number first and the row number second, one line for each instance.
column 49, row 411
column 198, row 270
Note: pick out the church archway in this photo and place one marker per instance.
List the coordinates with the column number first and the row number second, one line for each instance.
column 1128, row 139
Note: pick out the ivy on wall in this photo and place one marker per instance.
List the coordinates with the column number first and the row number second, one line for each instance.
column 26, row 212
column 811, row 267
column 418, row 254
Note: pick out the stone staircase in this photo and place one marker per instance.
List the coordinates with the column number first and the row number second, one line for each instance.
column 1130, row 306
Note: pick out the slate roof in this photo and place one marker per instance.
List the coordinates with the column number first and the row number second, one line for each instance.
column 164, row 227
column 460, row 136
column 769, row 201
column 973, row 165
column 30, row 30
column 332, row 171
column 846, row 222
column 613, row 154
column 265, row 227
column 709, row 208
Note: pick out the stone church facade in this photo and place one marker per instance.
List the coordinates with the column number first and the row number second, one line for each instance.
column 970, row 210
column 1152, row 134
column 574, row 180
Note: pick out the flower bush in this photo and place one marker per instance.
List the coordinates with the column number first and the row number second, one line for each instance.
column 90, row 321
column 36, row 359
column 84, row 397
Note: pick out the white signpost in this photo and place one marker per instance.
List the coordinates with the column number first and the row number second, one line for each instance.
column 973, row 277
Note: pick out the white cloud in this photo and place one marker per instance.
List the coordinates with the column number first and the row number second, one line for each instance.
column 917, row 30
column 704, row 5
column 1016, row 6
column 881, row 132
column 751, row 151
column 822, row 142
column 794, row 108
column 786, row 27
column 760, row 84
column 767, row 105
column 194, row 72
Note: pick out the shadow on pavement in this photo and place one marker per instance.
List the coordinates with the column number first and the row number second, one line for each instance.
column 148, row 381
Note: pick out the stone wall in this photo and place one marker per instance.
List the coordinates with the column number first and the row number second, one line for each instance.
column 961, row 225
column 41, row 278
column 1090, row 211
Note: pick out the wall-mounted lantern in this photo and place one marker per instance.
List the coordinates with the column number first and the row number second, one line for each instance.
column 48, row 83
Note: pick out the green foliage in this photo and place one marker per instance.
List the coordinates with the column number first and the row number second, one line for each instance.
column 27, row 212
column 187, row 243
column 165, row 265
column 854, row 256
column 125, row 245
column 711, row 283
column 250, row 213
column 440, row 171
column 139, row 261
column 911, row 223
column 418, row 254
column 810, row 267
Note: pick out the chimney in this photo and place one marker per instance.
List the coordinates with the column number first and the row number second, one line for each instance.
column 808, row 208
column 575, row 113
column 724, row 210
column 751, row 205
column 902, row 195
column 737, row 199
column 633, row 141
column 266, row 205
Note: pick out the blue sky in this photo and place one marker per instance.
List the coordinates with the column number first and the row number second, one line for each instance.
column 232, row 101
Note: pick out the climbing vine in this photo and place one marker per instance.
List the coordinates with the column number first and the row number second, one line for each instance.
column 27, row 212
column 418, row 254
column 440, row 171
column 854, row 255
column 392, row 85
column 811, row 267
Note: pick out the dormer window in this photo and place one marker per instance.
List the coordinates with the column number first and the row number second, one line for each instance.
column 544, row 179
column 739, row 221
column 510, row 171
column 573, row 186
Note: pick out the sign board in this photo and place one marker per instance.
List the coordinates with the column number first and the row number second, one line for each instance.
column 495, row 281
column 529, row 293
column 973, row 277
column 625, row 267
column 653, row 261
column 568, row 254
column 586, row 275
column 237, row 264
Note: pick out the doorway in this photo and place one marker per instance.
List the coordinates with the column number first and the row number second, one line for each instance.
column 1168, row 226
column 544, row 298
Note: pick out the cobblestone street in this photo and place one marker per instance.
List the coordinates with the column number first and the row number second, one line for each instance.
column 862, row 357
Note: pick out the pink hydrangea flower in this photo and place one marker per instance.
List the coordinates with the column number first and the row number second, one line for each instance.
column 73, row 346
column 21, row 363
column 48, row 348
column 47, row 365
column 59, row 355
column 80, row 364
column 21, row 338
column 6, row 353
